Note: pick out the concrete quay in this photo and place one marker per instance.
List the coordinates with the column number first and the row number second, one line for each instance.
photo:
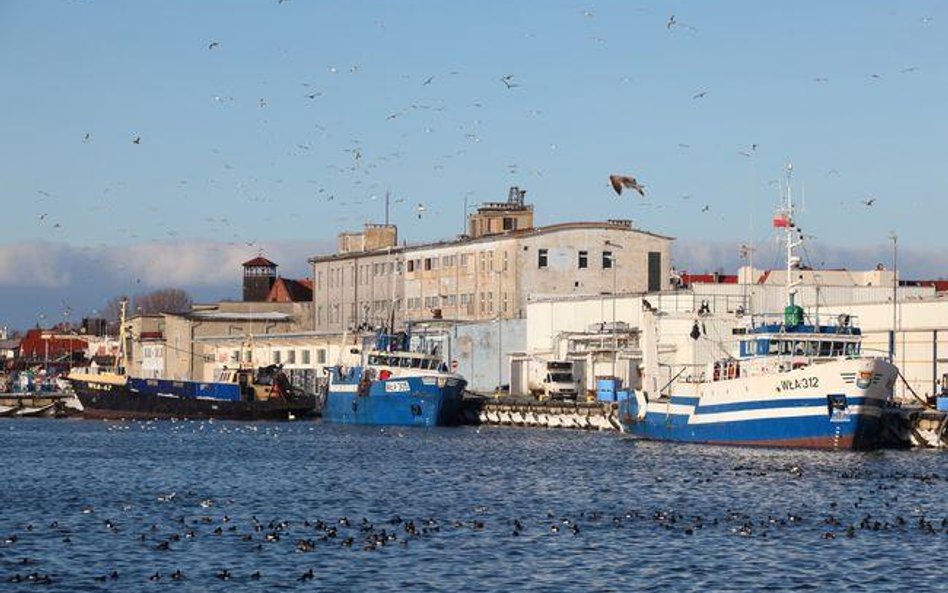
column 514, row 411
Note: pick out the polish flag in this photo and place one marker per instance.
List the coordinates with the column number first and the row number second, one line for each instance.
column 781, row 221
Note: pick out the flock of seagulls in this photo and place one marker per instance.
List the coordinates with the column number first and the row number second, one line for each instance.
column 360, row 170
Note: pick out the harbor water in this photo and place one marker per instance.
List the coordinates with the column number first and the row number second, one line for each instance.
column 223, row 506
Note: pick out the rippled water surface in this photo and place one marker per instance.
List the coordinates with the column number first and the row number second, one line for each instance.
column 96, row 506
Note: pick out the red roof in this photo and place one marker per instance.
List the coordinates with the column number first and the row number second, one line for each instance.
column 34, row 345
column 689, row 279
column 940, row 285
column 287, row 290
column 259, row 261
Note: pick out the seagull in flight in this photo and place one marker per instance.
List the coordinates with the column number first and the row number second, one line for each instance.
column 137, row 140
column 427, row 81
column 671, row 22
column 868, row 202
column 700, row 95
column 621, row 181
column 420, row 209
column 213, row 44
column 507, row 81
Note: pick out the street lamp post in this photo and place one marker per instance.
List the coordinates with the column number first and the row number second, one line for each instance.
column 615, row 335
column 500, row 333
column 895, row 294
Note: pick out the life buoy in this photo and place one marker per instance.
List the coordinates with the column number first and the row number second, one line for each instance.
column 384, row 374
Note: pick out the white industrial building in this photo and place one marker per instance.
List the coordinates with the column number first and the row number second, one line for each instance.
column 490, row 273
column 600, row 333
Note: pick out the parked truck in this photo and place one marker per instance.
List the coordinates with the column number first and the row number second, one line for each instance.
column 553, row 380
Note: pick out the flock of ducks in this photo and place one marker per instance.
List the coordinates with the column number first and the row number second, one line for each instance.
column 251, row 537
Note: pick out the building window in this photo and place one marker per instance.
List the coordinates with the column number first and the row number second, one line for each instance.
column 291, row 357
column 411, row 265
column 321, row 356
column 583, row 259
column 510, row 224
column 542, row 260
column 235, row 356
column 606, row 260
column 427, row 263
column 654, row 271
column 463, row 260
column 276, row 356
column 305, row 356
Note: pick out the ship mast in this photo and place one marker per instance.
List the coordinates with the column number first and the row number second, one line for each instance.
column 793, row 315
column 120, row 363
column 788, row 232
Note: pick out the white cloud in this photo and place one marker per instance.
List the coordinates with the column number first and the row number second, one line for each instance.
column 53, row 280
column 37, row 264
column 709, row 256
column 152, row 265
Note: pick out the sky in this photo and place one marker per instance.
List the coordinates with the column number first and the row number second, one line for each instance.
column 159, row 144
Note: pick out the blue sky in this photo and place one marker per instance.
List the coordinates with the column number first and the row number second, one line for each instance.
column 295, row 124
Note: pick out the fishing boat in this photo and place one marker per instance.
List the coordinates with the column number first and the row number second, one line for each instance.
column 241, row 393
column 390, row 384
column 793, row 381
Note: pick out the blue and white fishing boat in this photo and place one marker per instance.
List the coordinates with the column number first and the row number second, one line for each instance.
column 389, row 384
column 794, row 383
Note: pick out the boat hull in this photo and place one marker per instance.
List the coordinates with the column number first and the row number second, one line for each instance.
column 405, row 401
column 111, row 401
column 818, row 408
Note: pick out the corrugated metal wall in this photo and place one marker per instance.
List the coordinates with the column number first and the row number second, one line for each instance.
column 480, row 360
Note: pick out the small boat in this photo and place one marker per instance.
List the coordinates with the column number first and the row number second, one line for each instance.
column 243, row 393
column 391, row 385
column 47, row 411
column 7, row 411
column 794, row 382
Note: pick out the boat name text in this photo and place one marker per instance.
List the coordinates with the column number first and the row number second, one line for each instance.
column 804, row 383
